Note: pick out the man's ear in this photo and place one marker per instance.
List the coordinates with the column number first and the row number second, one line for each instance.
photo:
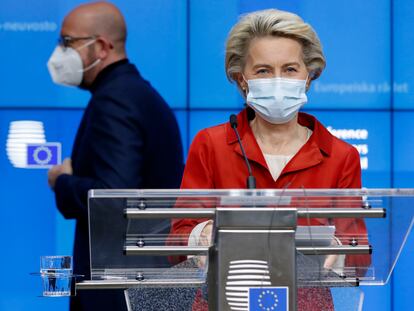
column 104, row 47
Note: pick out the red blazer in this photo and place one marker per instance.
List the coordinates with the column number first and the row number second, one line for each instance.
column 215, row 161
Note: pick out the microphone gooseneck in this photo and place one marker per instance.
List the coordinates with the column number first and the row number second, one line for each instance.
column 251, row 180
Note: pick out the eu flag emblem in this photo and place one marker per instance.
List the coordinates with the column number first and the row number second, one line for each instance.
column 268, row 299
column 43, row 155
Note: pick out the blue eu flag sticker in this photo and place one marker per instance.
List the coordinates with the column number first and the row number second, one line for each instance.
column 268, row 299
column 43, row 155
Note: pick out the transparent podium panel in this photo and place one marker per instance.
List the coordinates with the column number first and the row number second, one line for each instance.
column 114, row 238
column 151, row 280
column 384, row 236
column 307, row 247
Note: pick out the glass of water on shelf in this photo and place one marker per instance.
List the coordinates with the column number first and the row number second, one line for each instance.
column 56, row 273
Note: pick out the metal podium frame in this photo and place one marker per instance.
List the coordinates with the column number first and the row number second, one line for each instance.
column 258, row 225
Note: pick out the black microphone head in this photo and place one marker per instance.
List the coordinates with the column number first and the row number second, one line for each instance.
column 233, row 121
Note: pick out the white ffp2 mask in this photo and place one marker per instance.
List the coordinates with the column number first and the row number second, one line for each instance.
column 65, row 65
column 277, row 100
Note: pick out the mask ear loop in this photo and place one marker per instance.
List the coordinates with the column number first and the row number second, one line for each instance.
column 96, row 62
column 86, row 44
column 246, row 88
column 92, row 65
column 307, row 84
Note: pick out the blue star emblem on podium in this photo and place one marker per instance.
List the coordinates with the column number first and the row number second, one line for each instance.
column 268, row 299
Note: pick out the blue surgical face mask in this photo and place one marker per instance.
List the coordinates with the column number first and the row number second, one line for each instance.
column 277, row 100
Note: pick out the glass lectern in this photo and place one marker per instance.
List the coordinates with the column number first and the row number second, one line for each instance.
column 270, row 249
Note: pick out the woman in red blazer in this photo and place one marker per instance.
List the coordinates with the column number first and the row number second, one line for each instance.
column 273, row 56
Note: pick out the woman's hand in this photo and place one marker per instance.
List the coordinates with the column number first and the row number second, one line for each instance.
column 335, row 262
column 205, row 236
column 204, row 240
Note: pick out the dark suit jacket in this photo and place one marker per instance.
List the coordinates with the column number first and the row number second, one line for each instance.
column 128, row 138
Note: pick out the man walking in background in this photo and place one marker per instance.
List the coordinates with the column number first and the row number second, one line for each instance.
column 128, row 136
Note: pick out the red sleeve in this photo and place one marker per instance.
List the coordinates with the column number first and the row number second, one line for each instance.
column 197, row 175
column 350, row 176
column 349, row 228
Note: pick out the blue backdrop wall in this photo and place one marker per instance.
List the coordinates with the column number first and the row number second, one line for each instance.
column 179, row 46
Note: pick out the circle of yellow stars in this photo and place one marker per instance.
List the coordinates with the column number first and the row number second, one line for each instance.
column 264, row 294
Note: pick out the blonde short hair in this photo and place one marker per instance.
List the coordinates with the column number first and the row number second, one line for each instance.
column 272, row 23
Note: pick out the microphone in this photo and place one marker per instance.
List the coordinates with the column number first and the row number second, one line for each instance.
column 251, row 181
